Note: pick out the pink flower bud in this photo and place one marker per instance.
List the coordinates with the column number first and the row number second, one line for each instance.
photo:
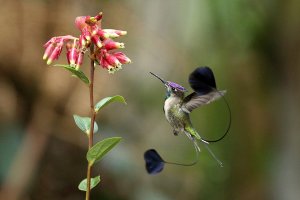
column 94, row 30
column 121, row 33
column 112, row 60
column 102, row 34
column 54, row 55
column 79, row 60
column 48, row 51
column 72, row 53
column 91, row 21
column 96, row 40
column 80, row 22
column 114, row 33
column 56, row 51
column 122, row 57
column 103, row 62
column 86, row 34
column 99, row 16
column 110, row 44
column 82, row 42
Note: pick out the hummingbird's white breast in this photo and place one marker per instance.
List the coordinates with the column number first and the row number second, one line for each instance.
column 169, row 104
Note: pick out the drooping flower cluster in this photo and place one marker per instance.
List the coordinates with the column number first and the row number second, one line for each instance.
column 105, row 53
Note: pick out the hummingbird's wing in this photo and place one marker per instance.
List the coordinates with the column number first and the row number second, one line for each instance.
column 195, row 100
column 202, row 80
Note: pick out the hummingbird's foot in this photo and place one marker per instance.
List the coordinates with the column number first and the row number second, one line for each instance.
column 175, row 132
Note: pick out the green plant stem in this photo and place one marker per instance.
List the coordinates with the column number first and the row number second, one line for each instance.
column 93, row 116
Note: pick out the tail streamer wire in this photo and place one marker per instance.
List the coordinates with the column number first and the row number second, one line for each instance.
column 155, row 163
column 229, row 123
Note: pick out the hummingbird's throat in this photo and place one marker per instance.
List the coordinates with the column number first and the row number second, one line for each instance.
column 168, row 93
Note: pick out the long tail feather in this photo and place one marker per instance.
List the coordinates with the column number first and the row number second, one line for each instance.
column 213, row 155
column 206, row 146
column 193, row 140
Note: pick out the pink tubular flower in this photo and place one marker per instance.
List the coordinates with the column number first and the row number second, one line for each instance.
column 112, row 33
column 112, row 60
column 82, row 41
column 48, row 51
column 105, row 64
column 72, row 53
column 103, row 35
column 86, row 34
column 55, row 52
column 96, row 40
column 122, row 57
column 79, row 59
column 109, row 44
column 91, row 34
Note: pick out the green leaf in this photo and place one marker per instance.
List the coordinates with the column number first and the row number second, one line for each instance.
column 83, row 184
column 84, row 123
column 76, row 72
column 108, row 100
column 101, row 148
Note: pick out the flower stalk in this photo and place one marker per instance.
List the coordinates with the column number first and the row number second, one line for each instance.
column 93, row 117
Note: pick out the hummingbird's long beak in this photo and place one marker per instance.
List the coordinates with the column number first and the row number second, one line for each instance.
column 162, row 80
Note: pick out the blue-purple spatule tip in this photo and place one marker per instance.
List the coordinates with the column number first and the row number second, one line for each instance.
column 202, row 80
column 154, row 163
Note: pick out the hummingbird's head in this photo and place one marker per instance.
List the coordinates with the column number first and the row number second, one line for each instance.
column 172, row 88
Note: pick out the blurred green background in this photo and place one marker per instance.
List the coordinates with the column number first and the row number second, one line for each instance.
column 253, row 48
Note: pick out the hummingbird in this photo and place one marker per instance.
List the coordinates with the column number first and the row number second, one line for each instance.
column 177, row 108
